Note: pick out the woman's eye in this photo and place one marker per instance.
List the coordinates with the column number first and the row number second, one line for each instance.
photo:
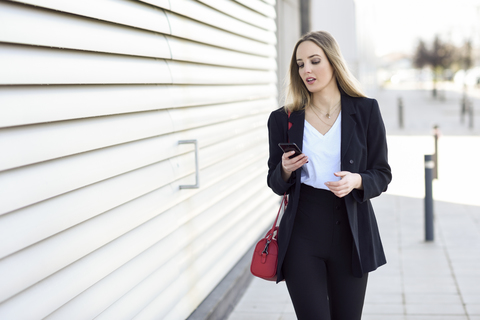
column 300, row 66
column 315, row 61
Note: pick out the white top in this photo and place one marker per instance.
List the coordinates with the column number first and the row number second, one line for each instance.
column 323, row 153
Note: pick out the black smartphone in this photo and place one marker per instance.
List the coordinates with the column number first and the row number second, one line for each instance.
column 290, row 146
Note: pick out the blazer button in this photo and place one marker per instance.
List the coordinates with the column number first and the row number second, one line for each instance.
column 351, row 161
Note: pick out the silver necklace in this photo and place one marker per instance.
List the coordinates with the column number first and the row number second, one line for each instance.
column 328, row 124
column 329, row 114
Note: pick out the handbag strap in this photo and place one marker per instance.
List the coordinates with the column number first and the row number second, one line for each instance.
column 284, row 202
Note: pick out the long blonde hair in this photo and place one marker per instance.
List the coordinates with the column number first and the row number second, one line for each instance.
column 297, row 95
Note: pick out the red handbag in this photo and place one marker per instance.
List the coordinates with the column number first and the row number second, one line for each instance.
column 265, row 255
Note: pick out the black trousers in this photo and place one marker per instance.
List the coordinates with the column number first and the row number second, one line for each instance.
column 318, row 263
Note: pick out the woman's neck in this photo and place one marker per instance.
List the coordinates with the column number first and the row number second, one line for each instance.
column 327, row 99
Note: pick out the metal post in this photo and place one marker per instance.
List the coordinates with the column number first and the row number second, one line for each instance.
column 470, row 114
column 429, row 165
column 436, row 134
column 400, row 112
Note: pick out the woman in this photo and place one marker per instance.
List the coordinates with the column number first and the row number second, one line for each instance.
column 328, row 238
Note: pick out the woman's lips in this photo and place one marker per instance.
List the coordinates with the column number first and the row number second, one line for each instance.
column 310, row 80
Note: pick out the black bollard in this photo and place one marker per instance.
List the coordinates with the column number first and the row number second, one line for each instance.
column 429, row 166
column 400, row 113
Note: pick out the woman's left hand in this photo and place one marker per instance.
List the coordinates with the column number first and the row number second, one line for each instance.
column 347, row 183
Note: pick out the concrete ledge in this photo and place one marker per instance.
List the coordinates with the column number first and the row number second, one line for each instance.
column 222, row 300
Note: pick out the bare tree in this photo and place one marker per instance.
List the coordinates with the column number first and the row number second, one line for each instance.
column 439, row 57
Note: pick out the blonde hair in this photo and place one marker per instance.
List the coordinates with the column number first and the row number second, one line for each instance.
column 297, row 95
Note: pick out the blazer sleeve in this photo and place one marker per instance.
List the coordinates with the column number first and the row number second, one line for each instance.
column 378, row 174
column 277, row 133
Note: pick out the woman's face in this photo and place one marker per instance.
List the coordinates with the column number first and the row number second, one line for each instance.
column 314, row 67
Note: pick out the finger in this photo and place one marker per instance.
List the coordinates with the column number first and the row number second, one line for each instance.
column 336, row 184
column 294, row 163
column 299, row 161
column 287, row 155
column 341, row 173
column 339, row 189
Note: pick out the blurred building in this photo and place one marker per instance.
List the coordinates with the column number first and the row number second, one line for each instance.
column 351, row 23
column 98, row 216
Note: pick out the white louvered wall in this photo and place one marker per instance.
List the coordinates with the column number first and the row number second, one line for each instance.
column 94, row 97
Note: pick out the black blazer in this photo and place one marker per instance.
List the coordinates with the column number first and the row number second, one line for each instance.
column 363, row 151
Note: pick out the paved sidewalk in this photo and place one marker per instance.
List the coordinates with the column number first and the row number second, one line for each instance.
column 439, row 280
column 422, row 280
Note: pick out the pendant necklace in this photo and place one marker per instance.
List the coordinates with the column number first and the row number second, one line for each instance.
column 328, row 115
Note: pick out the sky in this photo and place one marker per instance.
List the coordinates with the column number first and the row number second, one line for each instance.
column 400, row 24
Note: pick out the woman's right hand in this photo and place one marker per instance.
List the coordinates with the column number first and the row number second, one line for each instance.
column 290, row 165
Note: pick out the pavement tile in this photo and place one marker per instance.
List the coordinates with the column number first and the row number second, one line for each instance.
column 259, row 307
column 383, row 308
column 434, row 317
column 254, row 316
column 473, row 309
column 435, row 309
column 434, row 298
column 382, row 317
column 288, row 308
column 288, row 316
column 471, row 298
column 381, row 298
column 428, row 288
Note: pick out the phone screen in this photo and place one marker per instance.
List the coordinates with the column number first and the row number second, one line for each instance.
column 290, row 146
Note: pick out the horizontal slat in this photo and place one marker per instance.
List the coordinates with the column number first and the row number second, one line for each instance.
column 190, row 73
column 218, row 152
column 27, row 226
column 260, row 6
column 65, row 248
column 205, row 14
column 35, row 65
column 194, row 30
column 36, row 143
column 196, row 52
column 27, row 65
column 184, row 96
column 272, row 2
column 21, row 105
column 24, row 227
column 130, row 13
column 186, row 118
column 239, row 12
column 135, row 299
column 159, row 3
column 27, row 185
column 30, row 25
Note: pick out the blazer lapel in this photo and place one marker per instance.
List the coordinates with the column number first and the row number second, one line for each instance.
column 348, row 124
column 295, row 134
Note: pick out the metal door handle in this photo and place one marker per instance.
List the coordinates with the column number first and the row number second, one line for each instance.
column 197, row 179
